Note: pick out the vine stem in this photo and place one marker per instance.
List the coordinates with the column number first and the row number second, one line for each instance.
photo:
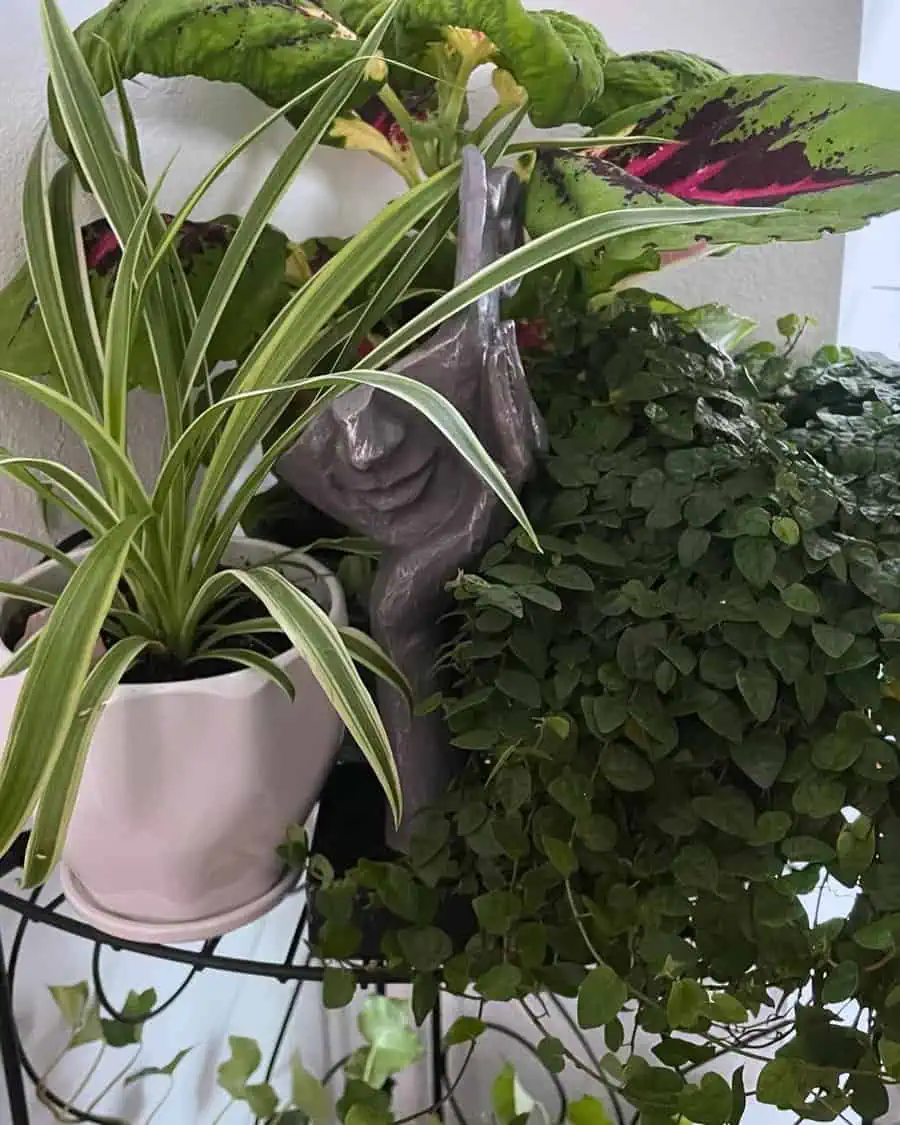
column 115, row 1080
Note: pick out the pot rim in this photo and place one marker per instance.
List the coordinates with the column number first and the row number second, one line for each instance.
column 241, row 680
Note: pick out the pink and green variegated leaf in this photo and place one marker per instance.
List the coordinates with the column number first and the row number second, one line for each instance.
column 825, row 156
column 262, row 290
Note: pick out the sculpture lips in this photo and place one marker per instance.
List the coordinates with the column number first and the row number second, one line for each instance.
column 395, row 493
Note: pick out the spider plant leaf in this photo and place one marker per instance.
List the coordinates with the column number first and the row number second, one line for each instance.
column 255, row 660
column 371, row 655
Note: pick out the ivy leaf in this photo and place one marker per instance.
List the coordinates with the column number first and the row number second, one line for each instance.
column 604, row 714
column 426, row 948
column 261, row 1100
column 833, row 642
column 601, row 997
column 759, row 688
column 551, row 1052
column 497, row 911
column 801, row 599
column 881, row 935
column 755, row 559
column 780, row 1084
column 510, row 1101
column 384, row 1024
column 72, row 1001
column 807, row 849
column 425, row 996
column 761, row 756
column 692, row 545
column 738, row 1097
column 466, row 1029
column 710, row 1103
column 520, row 686
column 309, row 1095
column 819, row 797
column 245, row 1058
column 811, row 690
column 729, row 810
column 686, row 1004
column 696, row 866
column 137, row 1009
column 561, row 854
column 624, row 768
column 586, row 1110
column 722, row 716
column 338, row 987
column 787, row 530
column 727, row 1009
column 502, row 982
column 841, row 983
column 570, row 577
column 162, row 1071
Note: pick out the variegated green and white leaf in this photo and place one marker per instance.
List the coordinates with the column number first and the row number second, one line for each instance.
column 318, row 640
column 254, row 660
column 61, row 789
column 371, row 655
column 50, row 696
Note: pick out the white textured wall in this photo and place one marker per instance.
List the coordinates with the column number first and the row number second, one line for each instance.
column 870, row 303
column 337, row 194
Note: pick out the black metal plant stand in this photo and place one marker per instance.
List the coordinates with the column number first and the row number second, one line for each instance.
column 332, row 841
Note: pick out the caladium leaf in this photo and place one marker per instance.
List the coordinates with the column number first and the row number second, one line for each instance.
column 825, row 156
column 262, row 290
column 275, row 50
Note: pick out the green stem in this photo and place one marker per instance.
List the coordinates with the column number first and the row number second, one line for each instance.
column 224, row 1110
column 490, row 122
column 392, row 103
column 92, row 1070
column 162, row 1101
column 114, row 1081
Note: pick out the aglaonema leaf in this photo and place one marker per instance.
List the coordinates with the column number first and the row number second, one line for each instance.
column 825, row 156
column 273, row 50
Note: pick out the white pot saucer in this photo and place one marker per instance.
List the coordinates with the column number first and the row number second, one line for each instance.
column 166, row 933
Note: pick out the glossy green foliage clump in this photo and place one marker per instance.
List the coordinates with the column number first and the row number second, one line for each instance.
column 678, row 721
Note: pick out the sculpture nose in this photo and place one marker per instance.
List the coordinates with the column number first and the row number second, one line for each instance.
column 369, row 430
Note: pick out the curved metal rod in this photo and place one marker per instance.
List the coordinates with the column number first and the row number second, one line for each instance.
column 121, row 1017
column 40, row 1085
column 365, row 975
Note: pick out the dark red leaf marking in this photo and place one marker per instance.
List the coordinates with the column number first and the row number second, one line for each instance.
column 702, row 166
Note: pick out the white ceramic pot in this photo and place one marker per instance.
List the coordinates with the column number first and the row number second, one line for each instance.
column 189, row 787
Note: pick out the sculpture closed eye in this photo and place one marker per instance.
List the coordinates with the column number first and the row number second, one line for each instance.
column 383, row 470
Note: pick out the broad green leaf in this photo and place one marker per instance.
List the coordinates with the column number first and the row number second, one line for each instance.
column 393, row 1043
column 159, row 1071
column 136, row 1010
column 309, row 1095
column 759, row 688
column 319, row 642
column 601, row 997
column 755, row 559
column 72, row 1001
column 801, row 599
column 708, row 1103
column 510, row 1101
column 632, row 80
column 761, row 756
column 687, row 1003
column 426, row 948
column 338, row 987
column 244, row 1060
column 502, row 982
column 625, row 768
column 261, row 1099
column 465, row 1029
column 833, row 642
column 552, row 1053
column 272, row 51
column 824, row 154
column 49, row 699
column 841, row 983
column 57, row 803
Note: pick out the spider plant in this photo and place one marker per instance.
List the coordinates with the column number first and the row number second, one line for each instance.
column 154, row 579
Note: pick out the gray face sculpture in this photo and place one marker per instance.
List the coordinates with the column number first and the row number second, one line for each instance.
column 379, row 467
